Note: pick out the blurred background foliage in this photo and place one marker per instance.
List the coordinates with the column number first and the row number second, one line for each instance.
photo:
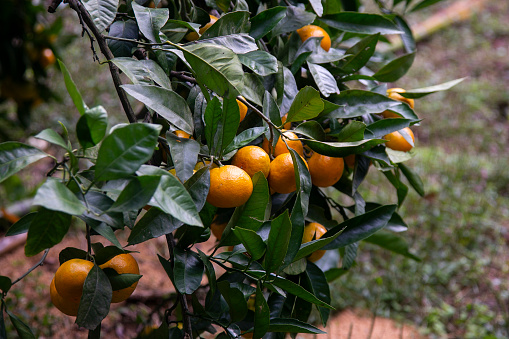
column 460, row 229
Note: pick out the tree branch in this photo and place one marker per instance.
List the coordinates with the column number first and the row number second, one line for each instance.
column 40, row 263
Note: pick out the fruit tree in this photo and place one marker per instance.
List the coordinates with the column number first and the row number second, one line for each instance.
column 249, row 107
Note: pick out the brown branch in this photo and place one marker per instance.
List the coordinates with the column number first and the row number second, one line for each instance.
column 53, row 6
column 85, row 18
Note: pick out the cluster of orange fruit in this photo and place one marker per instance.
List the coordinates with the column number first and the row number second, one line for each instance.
column 66, row 287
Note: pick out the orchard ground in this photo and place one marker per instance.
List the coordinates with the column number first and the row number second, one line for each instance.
column 460, row 229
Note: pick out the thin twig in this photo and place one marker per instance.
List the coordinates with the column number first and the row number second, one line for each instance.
column 142, row 43
column 182, row 76
column 40, row 263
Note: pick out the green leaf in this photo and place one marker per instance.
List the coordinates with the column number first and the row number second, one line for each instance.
column 382, row 127
column 167, row 267
column 143, row 72
column 22, row 225
column 23, row 330
column 46, row 230
column 290, row 325
column 320, row 56
column 150, row 20
column 261, row 314
column 356, row 103
column 308, row 248
column 395, row 69
column 53, row 137
column 172, row 198
column 212, row 119
column 324, row 79
column 125, row 150
column 229, row 23
column 126, row 30
column 244, row 138
column 392, row 243
column 209, row 271
column 5, row 284
column 98, row 204
column 298, row 223
column 413, row 178
column 188, row 270
column 252, row 88
column 423, row 4
column 69, row 253
column 360, row 227
column 103, row 12
column 306, row 105
column 260, row 62
column 120, row 281
column 165, row 102
column 342, row 149
column 3, row 332
column 184, row 153
column 311, row 129
column 251, row 241
column 421, row 92
column 56, row 196
column 359, row 54
column 299, row 291
column 239, row 43
column 363, row 23
column 136, row 194
column 153, row 224
column 91, row 127
column 289, row 92
column 407, row 36
column 265, row 21
column 354, row 131
column 95, row 300
column 295, row 18
column 15, row 156
column 106, row 231
column 235, row 300
column 320, row 288
column 317, row 7
column 72, row 89
column 198, row 187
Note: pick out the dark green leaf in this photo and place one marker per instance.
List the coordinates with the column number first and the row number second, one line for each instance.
column 395, row 69
column 359, row 54
column 188, row 270
column 56, row 196
column 126, row 30
column 106, row 231
column 363, row 23
column 69, row 253
column 152, row 225
column 413, row 178
column 120, row 281
column 277, row 244
column 244, row 138
column 262, row 314
column 22, row 225
column 5, row 284
column 317, row 6
column 150, row 20
column 342, row 149
column 311, row 129
column 95, row 300
column 295, row 18
column 292, row 326
column 209, row 270
column 320, row 288
column 136, row 194
column 421, row 92
column 298, row 222
column 401, row 188
column 392, row 243
column 354, row 131
column 238, row 43
column 252, row 88
column 230, row 23
column 47, row 229
column 221, row 125
column 251, row 241
column 349, row 255
column 53, row 137
column 91, row 126
column 184, row 153
column 308, row 248
column 306, row 105
column 72, row 89
column 15, row 156
column 320, row 56
column 235, row 300
column 125, row 150
column 382, row 127
column 424, row 4
column 407, row 36
column 23, row 330
column 360, row 227
column 212, row 119
column 176, row 30
column 103, row 12
column 143, row 72
column 299, row 291
column 324, row 79
column 290, row 90
column 265, row 21
column 165, row 102
column 167, row 267
column 260, row 62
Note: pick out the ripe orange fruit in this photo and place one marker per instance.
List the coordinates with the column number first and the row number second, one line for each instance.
column 70, row 277
column 314, row 231
column 252, row 159
column 230, row 186
column 325, row 171
column 122, row 263
column 194, row 36
column 47, row 58
column 66, row 306
column 283, row 120
column 281, row 146
column 218, row 229
column 182, row 134
column 242, row 109
column 397, row 142
column 282, row 175
column 393, row 93
column 309, row 31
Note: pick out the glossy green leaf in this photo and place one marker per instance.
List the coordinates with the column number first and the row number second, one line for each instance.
column 125, row 150
column 212, row 119
column 395, row 69
column 239, row 43
column 198, row 187
column 277, row 244
column 188, row 270
column 103, row 12
column 55, row 196
column 221, row 124
column 252, row 88
column 165, row 102
column 349, row 256
column 363, row 23
column 22, row 225
column 290, row 325
column 421, row 92
column 317, row 7
column 184, row 154
column 382, row 127
column 106, row 231
column 14, row 156
column 359, row 54
column 235, row 300
column 320, row 56
column 295, row 18
column 167, row 267
column 265, row 21
column 260, row 62
column 209, row 271
column 423, row 4
column 47, row 229
column 407, row 36
column 298, row 222
column 306, row 105
column 53, row 137
column 261, row 314
column 229, row 23
column 299, row 291
column 127, row 29
column 5, row 284
column 342, row 149
column 98, row 205
column 324, row 79
column 136, row 194
column 150, row 20
column 91, row 126
column 251, row 241
column 244, row 138
column 289, row 92
column 308, row 248
column 72, row 89
column 413, row 178
column 143, row 72
column 360, row 227
column 95, row 300
column 69, row 253
column 392, row 243
column 153, row 224
column 320, row 288
column 354, row 131
column 311, row 129
column 120, row 281
column 24, row 332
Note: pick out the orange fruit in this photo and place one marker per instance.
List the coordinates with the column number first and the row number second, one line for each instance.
column 325, row 171
column 309, row 31
column 194, row 36
column 283, row 120
column 230, row 186
column 182, row 134
column 66, row 306
column 122, row 263
column 218, row 229
column 199, row 165
column 350, row 161
column 313, row 231
column 242, row 109
column 70, row 277
column 282, row 175
column 47, row 58
column 281, row 146
column 397, row 142
column 252, row 159
column 393, row 93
